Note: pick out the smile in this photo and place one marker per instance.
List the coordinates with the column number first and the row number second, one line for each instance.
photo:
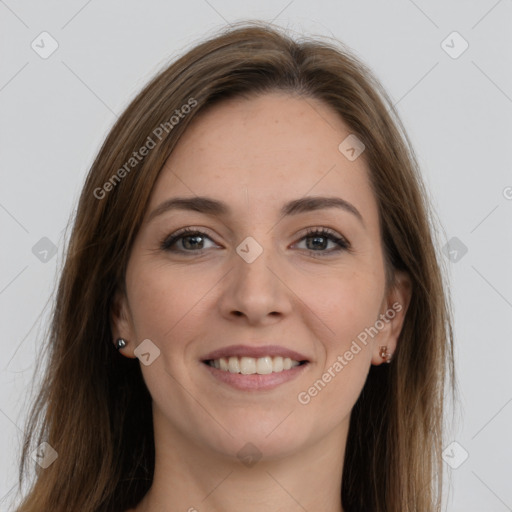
column 251, row 365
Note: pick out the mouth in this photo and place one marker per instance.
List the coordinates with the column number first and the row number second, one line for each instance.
column 250, row 365
column 255, row 368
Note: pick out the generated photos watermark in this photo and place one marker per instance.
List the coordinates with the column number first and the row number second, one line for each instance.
column 304, row 397
column 137, row 156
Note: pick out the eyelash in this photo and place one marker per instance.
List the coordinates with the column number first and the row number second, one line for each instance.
column 343, row 244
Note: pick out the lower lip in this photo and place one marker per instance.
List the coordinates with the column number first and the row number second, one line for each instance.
column 256, row 382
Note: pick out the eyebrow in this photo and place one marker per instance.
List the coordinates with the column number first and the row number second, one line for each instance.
column 210, row 206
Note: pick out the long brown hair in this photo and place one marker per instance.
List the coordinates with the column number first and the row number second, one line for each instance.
column 93, row 407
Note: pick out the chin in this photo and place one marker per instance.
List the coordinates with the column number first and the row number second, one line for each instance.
column 268, row 438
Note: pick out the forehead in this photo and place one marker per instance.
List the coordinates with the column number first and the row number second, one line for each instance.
column 265, row 150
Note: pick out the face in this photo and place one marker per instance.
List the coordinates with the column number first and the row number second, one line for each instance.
column 252, row 280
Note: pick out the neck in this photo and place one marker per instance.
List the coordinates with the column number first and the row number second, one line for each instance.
column 190, row 478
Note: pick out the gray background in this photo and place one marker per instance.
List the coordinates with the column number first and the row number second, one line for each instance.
column 56, row 111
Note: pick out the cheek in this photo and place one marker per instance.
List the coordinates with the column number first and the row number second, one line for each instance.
column 350, row 308
column 348, row 305
column 160, row 301
column 171, row 306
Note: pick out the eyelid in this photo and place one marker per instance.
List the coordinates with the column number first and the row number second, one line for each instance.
column 343, row 245
column 332, row 235
column 174, row 237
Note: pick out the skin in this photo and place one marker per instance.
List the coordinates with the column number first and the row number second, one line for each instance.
column 255, row 155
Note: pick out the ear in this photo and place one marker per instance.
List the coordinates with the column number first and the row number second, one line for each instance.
column 392, row 316
column 120, row 323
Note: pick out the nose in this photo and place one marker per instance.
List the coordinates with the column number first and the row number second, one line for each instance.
column 256, row 290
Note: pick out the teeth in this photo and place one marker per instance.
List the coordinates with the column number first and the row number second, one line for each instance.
column 234, row 365
column 247, row 365
column 264, row 365
column 277, row 364
column 251, row 365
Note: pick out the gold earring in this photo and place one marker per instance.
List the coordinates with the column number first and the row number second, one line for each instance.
column 383, row 352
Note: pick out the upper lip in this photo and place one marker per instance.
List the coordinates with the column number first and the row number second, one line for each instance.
column 256, row 352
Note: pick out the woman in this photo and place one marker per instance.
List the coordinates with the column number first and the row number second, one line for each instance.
column 251, row 315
